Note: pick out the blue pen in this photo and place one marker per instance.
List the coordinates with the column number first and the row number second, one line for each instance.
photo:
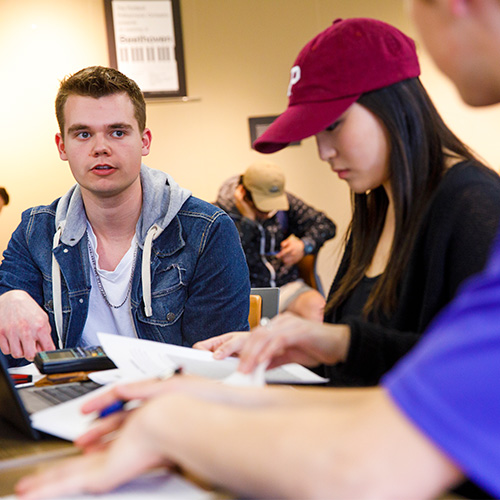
column 120, row 404
column 112, row 408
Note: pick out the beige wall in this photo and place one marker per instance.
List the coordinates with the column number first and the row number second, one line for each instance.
column 238, row 54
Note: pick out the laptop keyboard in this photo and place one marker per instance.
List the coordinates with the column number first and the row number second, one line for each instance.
column 39, row 398
column 62, row 394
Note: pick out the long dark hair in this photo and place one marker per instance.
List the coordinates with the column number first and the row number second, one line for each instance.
column 420, row 145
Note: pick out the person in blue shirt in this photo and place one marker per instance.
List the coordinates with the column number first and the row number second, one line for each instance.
column 433, row 421
column 126, row 250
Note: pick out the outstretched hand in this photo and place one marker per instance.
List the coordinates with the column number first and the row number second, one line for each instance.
column 24, row 326
column 137, row 449
column 151, row 436
column 98, row 436
column 288, row 338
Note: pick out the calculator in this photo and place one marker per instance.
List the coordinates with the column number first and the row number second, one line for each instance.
column 91, row 358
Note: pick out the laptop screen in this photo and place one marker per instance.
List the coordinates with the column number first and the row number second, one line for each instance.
column 11, row 407
column 270, row 300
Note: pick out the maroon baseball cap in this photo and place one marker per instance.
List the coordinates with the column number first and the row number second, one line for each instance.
column 333, row 70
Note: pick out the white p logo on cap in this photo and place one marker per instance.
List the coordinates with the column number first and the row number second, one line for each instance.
column 294, row 78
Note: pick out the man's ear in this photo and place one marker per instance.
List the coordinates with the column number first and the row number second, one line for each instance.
column 146, row 141
column 241, row 190
column 61, row 147
column 458, row 8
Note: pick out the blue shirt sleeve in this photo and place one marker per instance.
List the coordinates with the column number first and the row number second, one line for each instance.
column 449, row 385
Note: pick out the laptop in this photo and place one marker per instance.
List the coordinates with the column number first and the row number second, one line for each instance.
column 270, row 300
column 16, row 405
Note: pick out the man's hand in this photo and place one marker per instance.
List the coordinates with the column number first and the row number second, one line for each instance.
column 139, row 448
column 292, row 250
column 24, row 326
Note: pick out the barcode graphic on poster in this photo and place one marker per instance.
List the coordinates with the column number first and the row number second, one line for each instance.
column 145, row 54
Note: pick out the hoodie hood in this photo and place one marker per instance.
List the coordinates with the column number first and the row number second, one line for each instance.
column 162, row 198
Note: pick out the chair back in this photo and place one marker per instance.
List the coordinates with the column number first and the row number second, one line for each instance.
column 255, row 313
column 307, row 270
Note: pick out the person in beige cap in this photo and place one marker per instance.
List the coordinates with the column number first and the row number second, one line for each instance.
column 276, row 229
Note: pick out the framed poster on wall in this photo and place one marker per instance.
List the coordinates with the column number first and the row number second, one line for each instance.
column 145, row 43
column 259, row 124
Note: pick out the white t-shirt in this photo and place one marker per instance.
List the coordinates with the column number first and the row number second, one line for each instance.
column 101, row 317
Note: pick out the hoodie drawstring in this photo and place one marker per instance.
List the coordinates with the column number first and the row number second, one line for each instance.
column 270, row 268
column 56, row 289
column 146, row 268
column 153, row 231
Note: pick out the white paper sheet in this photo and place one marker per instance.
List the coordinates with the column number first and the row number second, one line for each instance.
column 138, row 357
column 255, row 379
column 65, row 420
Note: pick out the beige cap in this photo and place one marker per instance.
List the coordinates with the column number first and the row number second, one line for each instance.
column 266, row 182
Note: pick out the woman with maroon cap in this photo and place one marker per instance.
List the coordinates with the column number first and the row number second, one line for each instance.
column 425, row 211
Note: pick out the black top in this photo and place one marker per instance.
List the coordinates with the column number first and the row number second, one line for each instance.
column 453, row 243
column 352, row 307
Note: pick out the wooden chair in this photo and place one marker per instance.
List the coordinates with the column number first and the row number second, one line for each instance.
column 255, row 310
column 307, row 270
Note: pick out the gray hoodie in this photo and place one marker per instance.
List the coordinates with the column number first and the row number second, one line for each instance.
column 162, row 199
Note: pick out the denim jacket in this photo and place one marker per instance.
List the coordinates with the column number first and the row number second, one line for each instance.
column 190, row 283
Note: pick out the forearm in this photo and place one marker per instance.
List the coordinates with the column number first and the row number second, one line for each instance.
column 362, row 450
column 228, row 446
column 374, row 349
column 320, row 232
column 272, row 396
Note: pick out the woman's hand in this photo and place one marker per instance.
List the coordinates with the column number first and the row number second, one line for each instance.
column 288, row 338
column 227, row 344
column 285, row 339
